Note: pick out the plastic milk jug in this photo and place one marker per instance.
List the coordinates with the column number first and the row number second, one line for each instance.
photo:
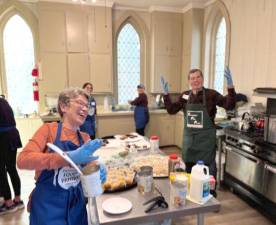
column 199, row 182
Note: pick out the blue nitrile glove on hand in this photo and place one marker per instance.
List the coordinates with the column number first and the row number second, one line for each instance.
column 102, row 172
column 228, row 76
column 164, row 85
column 84, row 154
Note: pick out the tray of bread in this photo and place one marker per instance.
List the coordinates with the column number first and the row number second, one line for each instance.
column 119, row 179
column 158, row 162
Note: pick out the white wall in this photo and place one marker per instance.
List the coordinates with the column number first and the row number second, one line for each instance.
column 252, row 44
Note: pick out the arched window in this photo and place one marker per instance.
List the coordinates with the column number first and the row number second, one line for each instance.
column 220, row 44
column 19, row 61
column 128, row 63
column 217, row 33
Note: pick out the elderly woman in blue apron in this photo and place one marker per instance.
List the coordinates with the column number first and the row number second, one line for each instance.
column 141, row 112
column 89, row 125
column 57, row 198
column 199, row 107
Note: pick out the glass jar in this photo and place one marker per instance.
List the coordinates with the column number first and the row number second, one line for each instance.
column 145, row 179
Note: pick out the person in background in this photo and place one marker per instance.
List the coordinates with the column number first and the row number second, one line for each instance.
column 57, row 198
column 199, row 107
column 9, row 142
column 89, row 125
column 141, row 112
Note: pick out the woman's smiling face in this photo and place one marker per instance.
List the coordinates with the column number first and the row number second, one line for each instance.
column 76, row 110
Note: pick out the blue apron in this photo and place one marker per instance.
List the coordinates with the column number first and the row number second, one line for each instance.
column 141, row 116
column 58, row 198
column 89, row 125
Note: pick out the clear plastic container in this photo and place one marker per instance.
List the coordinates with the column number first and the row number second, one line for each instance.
column 174, row 163
column 178, row 190
column 154, row 144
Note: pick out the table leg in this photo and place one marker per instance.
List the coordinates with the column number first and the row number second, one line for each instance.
column 219, row 161
column 200, row 219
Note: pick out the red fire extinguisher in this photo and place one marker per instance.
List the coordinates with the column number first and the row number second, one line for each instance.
column 35, row 73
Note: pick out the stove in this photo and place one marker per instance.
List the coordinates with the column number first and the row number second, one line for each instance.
column 250, row 168
column 252, row 143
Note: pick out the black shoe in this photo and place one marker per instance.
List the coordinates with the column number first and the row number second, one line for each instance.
column 7, row 209
column 19, row 205
column 214, row 193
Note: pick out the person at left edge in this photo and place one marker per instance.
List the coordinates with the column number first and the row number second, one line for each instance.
column 9, row 143
column 141, row 112
column 57, row 198
column 89, row 125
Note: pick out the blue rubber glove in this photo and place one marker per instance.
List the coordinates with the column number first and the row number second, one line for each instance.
column 164, row 85
column 102, row 172
column 84, row 154
column 228, row 76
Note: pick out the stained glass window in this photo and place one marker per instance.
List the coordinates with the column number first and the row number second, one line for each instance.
column 19, row 61
column 128, row 58
column 220, row 57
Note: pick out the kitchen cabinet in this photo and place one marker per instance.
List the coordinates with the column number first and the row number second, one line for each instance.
column 101, row 72
column 52, row 30
column 115, row 124
column 27, row 127
column 53, row 73
column 76, row 29
column 166, row 50
column 100, row 30
column 78, row 69
column 163, row 126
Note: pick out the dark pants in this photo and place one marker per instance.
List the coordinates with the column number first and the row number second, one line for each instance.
column 141, row 131
column 8, row 166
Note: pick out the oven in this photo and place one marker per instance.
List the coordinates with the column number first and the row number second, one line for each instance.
column 269, row 189
column 244, row 167
column 250, row 169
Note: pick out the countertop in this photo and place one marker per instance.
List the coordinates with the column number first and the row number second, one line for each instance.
column 56, row 117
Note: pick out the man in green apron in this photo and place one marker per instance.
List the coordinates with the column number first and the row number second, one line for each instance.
column 199, row 107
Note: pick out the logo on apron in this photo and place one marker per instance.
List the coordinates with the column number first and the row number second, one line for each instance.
column 68, row 177
column 195, row 119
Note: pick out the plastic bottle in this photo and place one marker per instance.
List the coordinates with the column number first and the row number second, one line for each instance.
column 174, row 163
column 154, row 144
column 199, row 182
column 178, row 190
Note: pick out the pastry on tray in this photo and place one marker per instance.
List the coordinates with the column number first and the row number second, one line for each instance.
column 159, row 163
column 119, row 178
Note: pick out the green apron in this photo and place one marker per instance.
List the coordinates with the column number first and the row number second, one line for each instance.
column 199, row 140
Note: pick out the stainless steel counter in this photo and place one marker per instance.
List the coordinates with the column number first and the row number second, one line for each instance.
column 137, row 214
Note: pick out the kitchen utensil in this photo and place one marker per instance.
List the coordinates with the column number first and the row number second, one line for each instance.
column 64, row 155
column 117, row 205
column 246, row 122
column 158, row 201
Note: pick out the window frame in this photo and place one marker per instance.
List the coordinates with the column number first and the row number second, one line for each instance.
column 8, row 10
column 139, row 36
column 217, row 12
column 143, row 33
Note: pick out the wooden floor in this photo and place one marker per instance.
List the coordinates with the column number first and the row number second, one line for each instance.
column 234, row 211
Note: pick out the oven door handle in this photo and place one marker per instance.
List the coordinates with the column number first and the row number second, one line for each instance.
column 270, row 168
column 245, row 155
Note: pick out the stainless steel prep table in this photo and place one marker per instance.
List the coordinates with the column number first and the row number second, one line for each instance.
column 137, row 214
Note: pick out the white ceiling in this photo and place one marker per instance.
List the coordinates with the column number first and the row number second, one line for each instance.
column 156, row 3
column 140, row 4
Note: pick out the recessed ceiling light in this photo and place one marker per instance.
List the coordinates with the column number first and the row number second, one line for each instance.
column 94, row 1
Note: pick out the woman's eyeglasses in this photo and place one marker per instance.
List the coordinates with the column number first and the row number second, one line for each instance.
column 80, row 103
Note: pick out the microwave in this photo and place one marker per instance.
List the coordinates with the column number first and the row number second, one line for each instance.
column 270, row 129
